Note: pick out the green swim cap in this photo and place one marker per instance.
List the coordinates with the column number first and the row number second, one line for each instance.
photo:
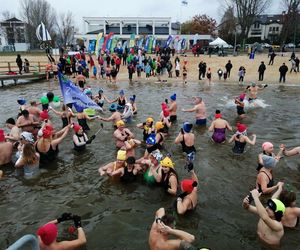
column 277, row 207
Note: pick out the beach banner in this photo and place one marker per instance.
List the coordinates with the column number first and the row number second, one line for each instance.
column 73, row 94
column 147, row 43
column 140, row 43
column 114, row 44
column 150, row 44
column 178, row 48
column 97, row 49
column 183, row 43
column 125, row 45
column 154, row 44
column 195, row 39
column 106, row 40
column 109, row 42
column 101, row 44
column 92, row 45
column 132, row 40
column 168, row 42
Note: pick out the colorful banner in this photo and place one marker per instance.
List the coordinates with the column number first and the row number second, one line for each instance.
column 150, row 45
column 107, row 38
column 132, row 40
column 98, row 39
column 140, row 43
column 183, row 43
column 147, row 43
column 73, row 94
column 92, row 46
column 168, row 42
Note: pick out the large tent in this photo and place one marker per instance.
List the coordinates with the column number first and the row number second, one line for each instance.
column 219, row 42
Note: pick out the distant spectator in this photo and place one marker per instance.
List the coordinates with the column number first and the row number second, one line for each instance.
column 261, row 71
column 228, row 67
column 283, row 69
column 19, row 63
column 272, row 56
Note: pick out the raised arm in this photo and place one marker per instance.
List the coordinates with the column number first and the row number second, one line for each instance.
column 253, row 141
column 55, row 111
column 261, row 211
column 231, row 139
column 57, row 141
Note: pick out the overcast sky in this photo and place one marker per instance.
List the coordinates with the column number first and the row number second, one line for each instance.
column 117, row 8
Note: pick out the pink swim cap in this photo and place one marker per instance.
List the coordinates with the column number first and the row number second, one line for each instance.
column 267, row 145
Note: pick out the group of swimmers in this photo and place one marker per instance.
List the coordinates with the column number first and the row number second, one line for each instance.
column 36, row 141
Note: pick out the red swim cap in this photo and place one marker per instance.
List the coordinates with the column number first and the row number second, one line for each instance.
column 166, row 112
column 44, row 115
column 2, row 136
column 241, row 127
column 76, row 127
column 47, row 133
column 48, row 233
column 187, row 185
column 218, row 116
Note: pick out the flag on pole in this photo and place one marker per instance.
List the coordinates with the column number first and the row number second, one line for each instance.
column 73, row 94
column 184, row 2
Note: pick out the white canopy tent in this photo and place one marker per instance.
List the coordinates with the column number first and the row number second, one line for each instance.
column 219, row 42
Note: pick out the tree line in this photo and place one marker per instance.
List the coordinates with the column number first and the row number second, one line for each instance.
column 239, row 15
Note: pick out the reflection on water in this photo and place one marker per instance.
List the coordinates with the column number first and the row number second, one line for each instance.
column 116, row 216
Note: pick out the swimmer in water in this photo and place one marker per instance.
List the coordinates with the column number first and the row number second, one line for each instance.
column 253, row 89
column 200, row 111
column 219, row 126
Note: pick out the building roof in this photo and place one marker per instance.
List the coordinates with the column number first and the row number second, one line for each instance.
column 267, row 19
column 14, row 19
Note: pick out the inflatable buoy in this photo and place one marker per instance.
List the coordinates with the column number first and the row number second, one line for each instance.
column 56, row 101
column 44, row 100
column 89, row 111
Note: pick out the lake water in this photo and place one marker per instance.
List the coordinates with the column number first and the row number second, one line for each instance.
column 116, row 216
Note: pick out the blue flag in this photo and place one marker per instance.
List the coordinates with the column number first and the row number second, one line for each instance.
column 73, row 94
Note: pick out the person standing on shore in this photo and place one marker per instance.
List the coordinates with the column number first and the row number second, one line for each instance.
column 228, row 67
column 283, row 69
column 272, row 56
column 261, row 71
column 19, row 62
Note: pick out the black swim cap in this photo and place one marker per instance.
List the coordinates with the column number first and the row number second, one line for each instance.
column 11, row 121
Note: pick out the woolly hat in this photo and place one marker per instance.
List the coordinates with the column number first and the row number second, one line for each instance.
column 149, row 120
column 167, row 162
column 120, row 124
column 267, row 145
column 157, row 155
column 173, row 97
column 21, row 101
column 48, row 233
column 159, row 125
column 187, row 185
column 166, row 112
column 187, row 127
column 27, row 136
column 47, row 133
column 76, row 128
column 113, row 107
column 2, row 136
column 44, row 115
column 121, row 155
column 269, row 161
column 151, row 140
column 121, row 92
column 241, row 127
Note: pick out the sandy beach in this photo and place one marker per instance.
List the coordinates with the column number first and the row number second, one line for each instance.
column 214, row 62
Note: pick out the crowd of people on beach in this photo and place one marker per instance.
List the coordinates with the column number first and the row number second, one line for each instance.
column 32, row 142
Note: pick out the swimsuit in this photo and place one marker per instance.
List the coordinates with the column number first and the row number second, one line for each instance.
column 270, row 184
column 201, row 121
column 239, row 147
column 128, row 176
column 251, row 99
column 240, row 110
column 173, row 118
column 81, row 83
column 83, row 124
column 82, row 147
column 187, row 149
column 49, row 156
column 219, row 135
column 65, row 121
column 149, row 179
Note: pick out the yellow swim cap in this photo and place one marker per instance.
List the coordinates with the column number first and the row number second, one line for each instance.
column 167, row 162
column 121, row 155
column 159, row 125
column 149, row 119
column 120, row 123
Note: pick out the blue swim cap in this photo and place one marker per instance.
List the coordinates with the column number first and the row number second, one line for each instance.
column 151, row 140
column 122, row 92
column 173, row 97
column 113, row 107
column 79, row 109
column 21, row 101
column 187, row 127
column 100, row 91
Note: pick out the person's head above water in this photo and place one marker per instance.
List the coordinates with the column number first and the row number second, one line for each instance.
column 48, row 233
column 267, row 147
column 277, row 207
column 218, row 114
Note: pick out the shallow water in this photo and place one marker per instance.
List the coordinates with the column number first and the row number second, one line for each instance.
column 117, row 216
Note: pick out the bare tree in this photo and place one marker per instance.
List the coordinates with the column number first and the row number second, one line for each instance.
column 246, row 12
column 227, row 27
column 290, row 16
column 65, row 29
column 33, row 13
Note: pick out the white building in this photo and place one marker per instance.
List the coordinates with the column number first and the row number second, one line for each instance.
column 267, row 27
